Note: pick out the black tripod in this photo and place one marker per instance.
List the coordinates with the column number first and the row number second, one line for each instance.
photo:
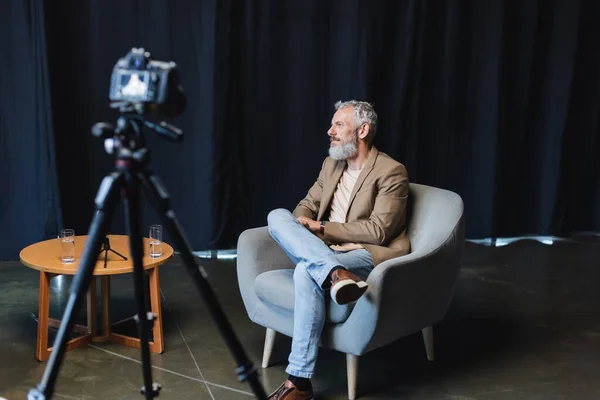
column 106, row 248
column 126, row 141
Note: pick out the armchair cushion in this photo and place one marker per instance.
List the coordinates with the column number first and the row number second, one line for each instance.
column 277, row 289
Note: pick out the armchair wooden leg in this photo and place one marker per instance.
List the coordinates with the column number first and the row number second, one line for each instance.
column 428, row 339
column 269, row 342
column 352, row 372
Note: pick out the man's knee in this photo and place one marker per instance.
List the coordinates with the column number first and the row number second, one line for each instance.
column 277, row 216
column 301, row 273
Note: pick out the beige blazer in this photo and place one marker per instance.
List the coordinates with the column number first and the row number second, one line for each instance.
column 376, row 215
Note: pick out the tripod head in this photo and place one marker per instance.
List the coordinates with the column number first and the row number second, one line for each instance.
column 127, row 139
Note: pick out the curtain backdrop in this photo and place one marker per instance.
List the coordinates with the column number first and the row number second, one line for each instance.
column 29, row 200
column 496, row 100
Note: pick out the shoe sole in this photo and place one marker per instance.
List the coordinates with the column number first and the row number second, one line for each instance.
column 348, row 291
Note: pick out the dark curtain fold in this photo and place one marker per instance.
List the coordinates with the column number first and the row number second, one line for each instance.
column 30, row 203
column 496, row 100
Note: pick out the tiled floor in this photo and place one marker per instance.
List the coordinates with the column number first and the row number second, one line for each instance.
column 524, row 324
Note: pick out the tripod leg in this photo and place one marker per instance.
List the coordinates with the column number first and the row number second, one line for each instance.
column 106, row 201
column 117, row 253
column 159, row 197
column 144, row 319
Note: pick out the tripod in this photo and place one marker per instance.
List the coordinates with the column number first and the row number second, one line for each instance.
column 106, row 248
column 126, row 141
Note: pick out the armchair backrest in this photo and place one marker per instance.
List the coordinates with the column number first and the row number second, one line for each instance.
column 434, row 211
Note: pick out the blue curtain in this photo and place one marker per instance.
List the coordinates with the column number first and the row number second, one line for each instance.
column 495, row 100
column 29, row 199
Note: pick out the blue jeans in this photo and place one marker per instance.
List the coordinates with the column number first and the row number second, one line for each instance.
column 314, row 261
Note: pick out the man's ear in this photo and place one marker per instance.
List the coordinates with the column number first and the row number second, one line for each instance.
column 364, row 130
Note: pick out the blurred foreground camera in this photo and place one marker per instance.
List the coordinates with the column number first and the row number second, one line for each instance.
column 139, row 83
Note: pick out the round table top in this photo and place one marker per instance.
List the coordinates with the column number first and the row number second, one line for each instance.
column 45, row 256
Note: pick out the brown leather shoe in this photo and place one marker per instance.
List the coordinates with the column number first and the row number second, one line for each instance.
column 346, row 287
column 289, row 391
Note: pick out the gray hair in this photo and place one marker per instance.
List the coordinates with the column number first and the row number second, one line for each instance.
column 364, row 113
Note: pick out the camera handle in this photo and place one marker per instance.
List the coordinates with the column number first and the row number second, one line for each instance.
column 131, row 174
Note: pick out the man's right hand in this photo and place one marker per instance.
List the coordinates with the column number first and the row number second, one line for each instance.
column 311, row 225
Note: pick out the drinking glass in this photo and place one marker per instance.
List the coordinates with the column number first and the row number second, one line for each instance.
column 156, row 241
column 67, row 246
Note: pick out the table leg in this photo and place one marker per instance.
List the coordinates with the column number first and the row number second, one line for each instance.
column 42, row 353
column 106, row 305
column 91, row 309
column 158, row 344
column 105, row 299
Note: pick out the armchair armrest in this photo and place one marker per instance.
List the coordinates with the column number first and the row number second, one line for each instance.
column 257, row 252
column 405, row 295
column 415, row 292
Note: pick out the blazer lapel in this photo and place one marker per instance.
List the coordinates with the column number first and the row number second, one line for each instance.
column 363, row 174
column 329, row 187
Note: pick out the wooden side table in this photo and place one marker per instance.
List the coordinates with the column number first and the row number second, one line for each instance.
column 45, row 257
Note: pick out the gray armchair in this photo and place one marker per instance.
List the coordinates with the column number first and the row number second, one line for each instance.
column 405, row 295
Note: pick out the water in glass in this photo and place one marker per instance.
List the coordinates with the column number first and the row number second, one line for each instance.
column 67, row 249
column 155, row 248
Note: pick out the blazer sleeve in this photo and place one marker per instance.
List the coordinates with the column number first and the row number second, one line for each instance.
column 385, row 220
column 309, row 206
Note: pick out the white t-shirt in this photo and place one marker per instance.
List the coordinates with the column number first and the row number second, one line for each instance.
column 339, row 205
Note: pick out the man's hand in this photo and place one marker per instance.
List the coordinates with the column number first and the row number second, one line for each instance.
column 311, row 225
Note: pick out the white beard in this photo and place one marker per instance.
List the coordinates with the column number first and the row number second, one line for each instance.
column 344, row 150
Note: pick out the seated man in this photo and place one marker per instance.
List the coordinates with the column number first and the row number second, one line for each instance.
column 353, row 218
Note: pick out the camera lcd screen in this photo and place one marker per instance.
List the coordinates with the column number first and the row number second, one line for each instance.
column 134, row 85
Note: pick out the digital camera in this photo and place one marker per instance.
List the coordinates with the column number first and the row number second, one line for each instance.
column 137, row 79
